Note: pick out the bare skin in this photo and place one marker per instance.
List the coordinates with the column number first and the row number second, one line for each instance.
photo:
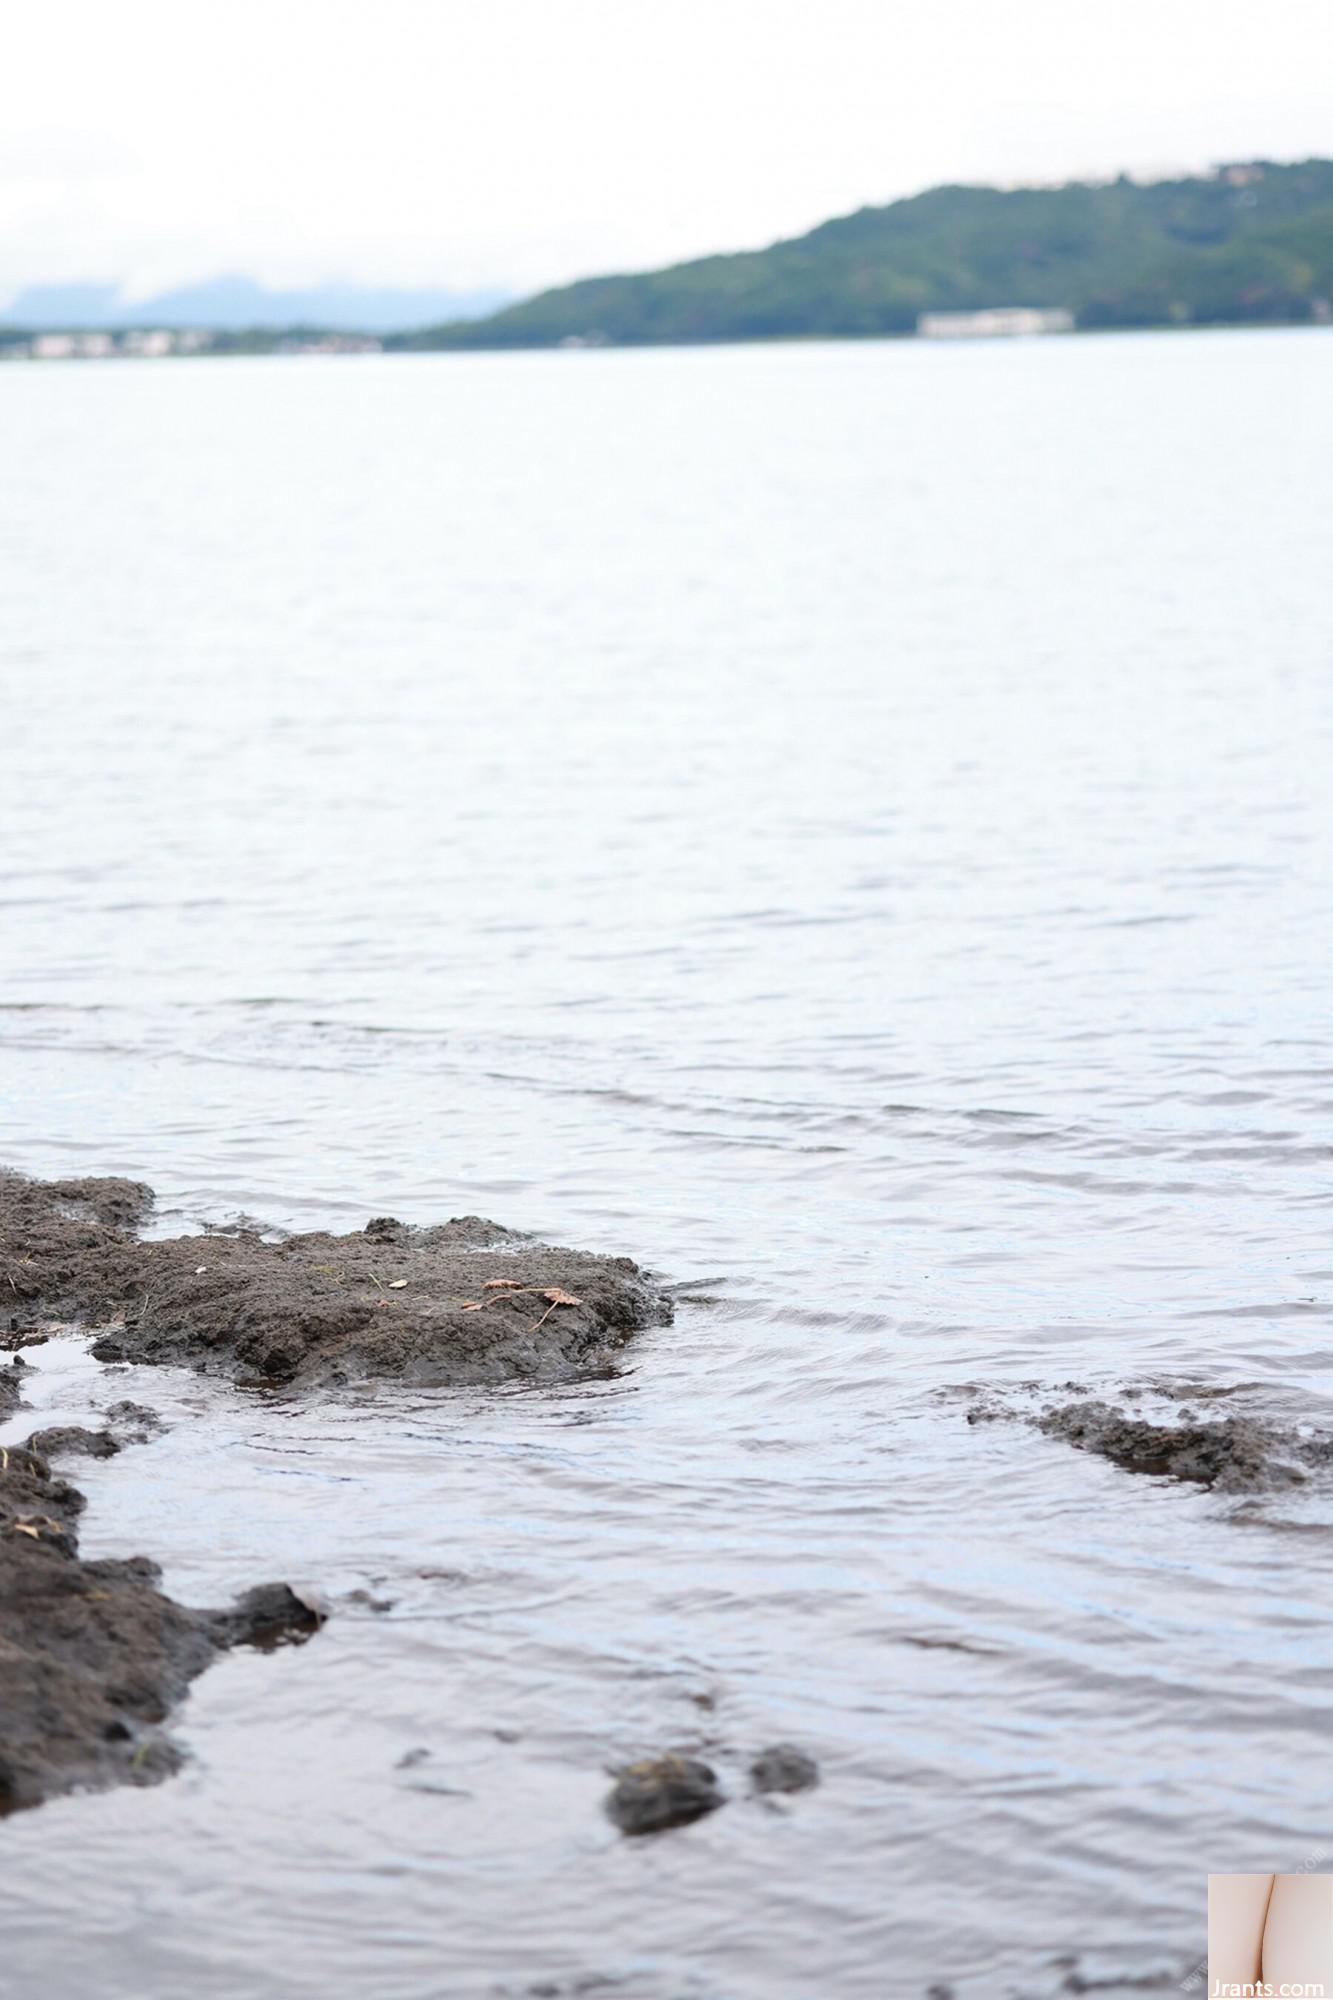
column 1298, row 1933
column 1237, row 1909
column 1267, row 1933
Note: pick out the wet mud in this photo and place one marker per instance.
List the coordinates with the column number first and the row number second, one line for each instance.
column 1230, row 1453
column 93, row 1655
column 1233, row 1453
column 466, row 1302
column 11, row 1388
column 126, row 1423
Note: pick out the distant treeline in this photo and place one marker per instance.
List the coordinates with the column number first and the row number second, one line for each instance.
column 1251, row 244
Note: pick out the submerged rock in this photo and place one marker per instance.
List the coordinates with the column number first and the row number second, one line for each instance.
column 1235, row 1453
column 93, row 1656
column 465, row 1302
column 11, row 1388
column 72, row 1440
column 784, row 1768
column 126, row 1423
column 270, row 1615
column 133, row 1423
column 663, row 1792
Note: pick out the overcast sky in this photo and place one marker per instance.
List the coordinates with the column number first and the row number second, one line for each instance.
column 522, row 142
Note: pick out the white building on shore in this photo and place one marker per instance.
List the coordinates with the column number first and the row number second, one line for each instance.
column 148, row 342
column 993, row 321
column 71, row 346
column 142, row 343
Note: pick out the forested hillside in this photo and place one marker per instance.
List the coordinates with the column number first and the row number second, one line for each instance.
column 1248, row 244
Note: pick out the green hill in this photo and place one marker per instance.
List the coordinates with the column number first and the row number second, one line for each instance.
column 1249, row 244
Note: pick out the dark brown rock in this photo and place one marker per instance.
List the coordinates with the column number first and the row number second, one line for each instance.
column 1234, row 1453
column 784, row 1768
column 11, row 1388
column 93, row 1656
column 662, row 1792
column 73, row 1440
column 465, row 1302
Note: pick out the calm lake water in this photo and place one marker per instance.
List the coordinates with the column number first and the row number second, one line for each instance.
column 848, row 826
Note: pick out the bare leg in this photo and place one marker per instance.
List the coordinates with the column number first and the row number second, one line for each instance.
column 1237, row 1906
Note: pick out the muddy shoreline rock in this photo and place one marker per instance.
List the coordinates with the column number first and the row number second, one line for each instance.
column 93, row 1656
column 1233, row 1453
column 466, row 1302
column 11, row 1388
column 73, row 1441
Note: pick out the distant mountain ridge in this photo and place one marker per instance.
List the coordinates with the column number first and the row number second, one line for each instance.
column 1251, row 243
column 238, row 303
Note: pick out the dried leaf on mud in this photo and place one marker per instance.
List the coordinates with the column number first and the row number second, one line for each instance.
column 558, row 1297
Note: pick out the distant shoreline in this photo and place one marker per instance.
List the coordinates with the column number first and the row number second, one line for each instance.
column 283, row 346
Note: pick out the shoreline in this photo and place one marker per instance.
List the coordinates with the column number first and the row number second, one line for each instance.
column 284, row 346
column 95, row 1657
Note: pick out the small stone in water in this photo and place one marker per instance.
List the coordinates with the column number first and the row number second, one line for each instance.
column 784, row 1768
column 662, row 1792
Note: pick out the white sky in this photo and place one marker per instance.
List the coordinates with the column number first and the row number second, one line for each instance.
column 523, row 142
